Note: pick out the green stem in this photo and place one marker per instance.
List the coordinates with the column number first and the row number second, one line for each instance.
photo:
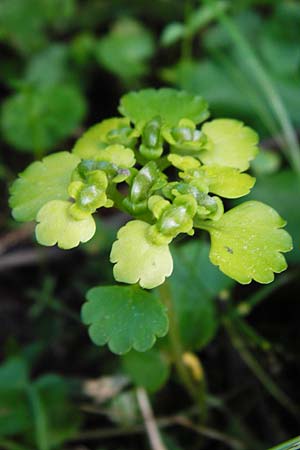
column 40, row 420
column 250, row 333
column 117, row 198
column 257, row 369
column 187, row 41
column 245, row 307
column 197, row 391
column 266, row 84
column 292, row 444
column 163, row 163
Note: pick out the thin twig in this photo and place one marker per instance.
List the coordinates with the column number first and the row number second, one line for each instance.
column 210, row 433
column 258, row 370
column 197, row 391
column 149, row 420
column 14, row 237
column 162, row 422
column 28, row 257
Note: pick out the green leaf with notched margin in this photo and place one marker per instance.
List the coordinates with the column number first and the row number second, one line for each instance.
column 227, row 181
column 171, row 105
column 282, row 191
column 124, row 317
column 195, row 284
column 57, row 226
column 246, row 243
column 224, row 97
column 138, row 259
column 150, row 369
column 230, row 144
column 41, row 182
column 96, row 137
column 39, row 118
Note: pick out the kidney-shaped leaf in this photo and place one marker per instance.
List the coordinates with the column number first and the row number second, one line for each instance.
column 38, row 119
column 246, row 243
column 124, row 317
column 138, row 260
column 40, row 183
column 282, row 191
column 57, row 226
column 230, row 144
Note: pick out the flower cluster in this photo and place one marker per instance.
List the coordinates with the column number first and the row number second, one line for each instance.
column 157, row 164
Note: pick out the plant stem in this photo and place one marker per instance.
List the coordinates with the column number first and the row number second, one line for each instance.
column 117, row 198
column 257, row 369
column 40, row 420
column 149, row 420
column 250, row 333
column 245, row 307
column 187, row 41
column 197, row 391
column 162, row 422
column 210, row 433
column 14, row 237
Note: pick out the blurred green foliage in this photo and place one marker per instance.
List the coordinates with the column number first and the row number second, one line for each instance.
column 40, row 410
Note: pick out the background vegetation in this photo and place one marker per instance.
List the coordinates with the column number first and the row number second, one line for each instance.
column 229, row 378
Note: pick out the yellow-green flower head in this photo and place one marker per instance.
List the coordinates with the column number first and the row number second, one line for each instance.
column 185, row 138
column 170, row 172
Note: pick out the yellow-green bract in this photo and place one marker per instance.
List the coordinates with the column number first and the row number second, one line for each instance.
column 138, row 260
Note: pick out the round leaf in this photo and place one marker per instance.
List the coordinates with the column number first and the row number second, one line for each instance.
column 41, row 182
column 137, row 259
column 246, row 243
column 230, row 144
column 282, row 191
column 124, row 317
column 57, row 226
column 37, row 119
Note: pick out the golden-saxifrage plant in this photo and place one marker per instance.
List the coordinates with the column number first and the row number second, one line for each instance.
column 176, row 174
